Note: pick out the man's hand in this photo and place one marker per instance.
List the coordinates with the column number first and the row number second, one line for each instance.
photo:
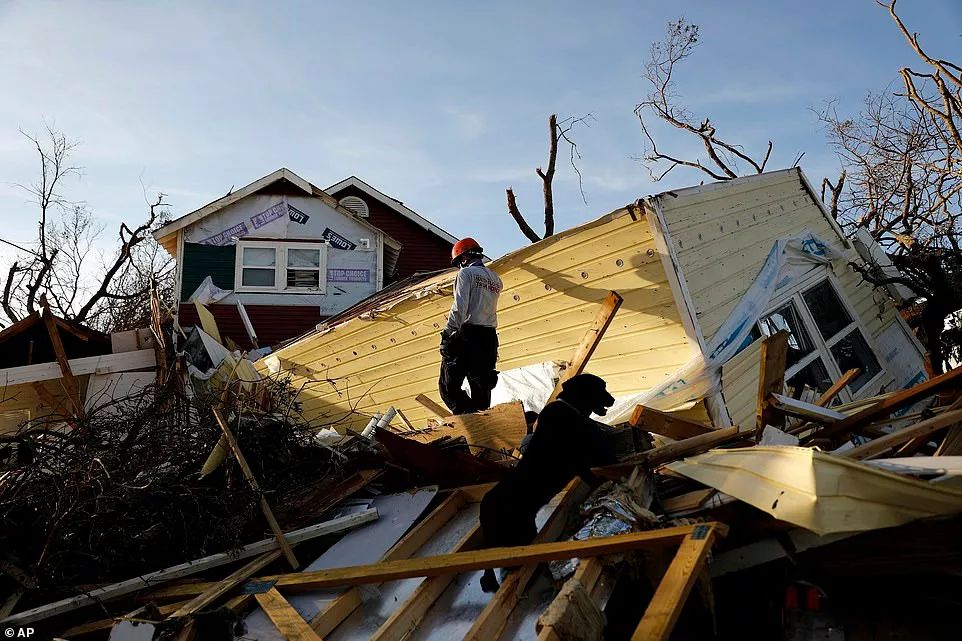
column 449, row 342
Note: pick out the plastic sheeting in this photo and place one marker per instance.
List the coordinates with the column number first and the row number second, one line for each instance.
column 531, row 384
column 789, row 259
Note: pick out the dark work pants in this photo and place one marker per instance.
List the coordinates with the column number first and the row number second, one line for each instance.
column 472, row 355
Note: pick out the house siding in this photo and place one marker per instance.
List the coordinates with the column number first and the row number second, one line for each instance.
column 201, row 261
column 552, row 291
column 421, row 250
column 273, row 324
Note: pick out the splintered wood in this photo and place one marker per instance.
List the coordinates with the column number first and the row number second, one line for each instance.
column 501, row 427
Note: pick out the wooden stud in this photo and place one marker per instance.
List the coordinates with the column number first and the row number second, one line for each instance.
column 345, row 603
column 69, row 381
column 771, row 379
column 837, row 387
column 249, row 474
column 435, row 409
column 673, row 451
column 409, row 614
column 801, row 409
column 405, row 420
column 222, row 587
column 609, row 307
column 284, row 617
column 669, row 599
column 922, row 428
column 889, row 404
column 665, row 424
column 480, row 560
column 493, row 619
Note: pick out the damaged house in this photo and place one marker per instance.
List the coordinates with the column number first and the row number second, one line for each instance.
column 274, row 258
column 705, row 273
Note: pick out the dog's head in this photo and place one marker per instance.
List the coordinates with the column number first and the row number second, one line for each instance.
column 587, row 392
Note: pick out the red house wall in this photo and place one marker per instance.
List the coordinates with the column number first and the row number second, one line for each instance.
column 421, row 250
column 272, row 323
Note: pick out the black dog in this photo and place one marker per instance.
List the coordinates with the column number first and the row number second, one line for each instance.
column 565, row 444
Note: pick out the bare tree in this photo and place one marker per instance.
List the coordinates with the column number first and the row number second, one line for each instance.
column 663, row 102
column 902, row 181
column 557, row 131
column 62, row 262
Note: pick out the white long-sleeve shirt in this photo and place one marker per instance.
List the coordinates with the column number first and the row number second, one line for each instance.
column 476, row 292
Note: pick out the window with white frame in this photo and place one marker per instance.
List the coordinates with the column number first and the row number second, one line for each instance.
column 281, row 267
column 825, row 340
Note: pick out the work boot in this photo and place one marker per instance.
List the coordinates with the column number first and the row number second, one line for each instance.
column 489, row 582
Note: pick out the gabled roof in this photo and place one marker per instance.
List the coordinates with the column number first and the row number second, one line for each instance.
column 393, row 203
column 166, row 235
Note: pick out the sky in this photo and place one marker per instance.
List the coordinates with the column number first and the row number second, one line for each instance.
column 439, row 104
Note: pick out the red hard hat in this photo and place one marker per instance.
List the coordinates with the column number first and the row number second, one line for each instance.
column 464, row 246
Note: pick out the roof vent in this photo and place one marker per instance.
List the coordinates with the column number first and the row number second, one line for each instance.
column 355, row 204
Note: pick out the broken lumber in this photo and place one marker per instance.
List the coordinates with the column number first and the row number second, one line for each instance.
column 103, row 364
column 609, row 307
column 283, row 615
column 69, row 381
column 672, row 451
column 185, row 569
column 448, row 468
column 432, row 406
column 666, row 424
column 222, row 587
column 771, row 380
column 801, row 409
column 480, row 560
column 500, row 427
column 922, row 428
column 249, row 475
column 889, row 404
column 837, row 387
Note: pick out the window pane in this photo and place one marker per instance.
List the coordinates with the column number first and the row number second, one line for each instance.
column 259, row 256
column 829, row 313
column 303, row 258
column 799, row 344
column 307, row 278
column 257, row 277
column 814, row 375
column 853, row 351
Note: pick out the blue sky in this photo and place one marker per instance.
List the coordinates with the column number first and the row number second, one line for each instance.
column 441, row 105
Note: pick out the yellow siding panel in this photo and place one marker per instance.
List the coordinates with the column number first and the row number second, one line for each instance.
column 740, row 384
column 552, row 291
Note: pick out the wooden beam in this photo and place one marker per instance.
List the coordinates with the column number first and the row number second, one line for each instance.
column 837, row 387
column 609, row 307
column 284, row 617
column 142, row 582
column 673, row 451
column 479, row 560
column 103, row 364
column 344, row 604
column 922, row 428
column 771, row 379
column 222, row 587
column 409, row 614
column 665, row 424
column 499, row 427
column 433, row 407
column 889, row 404
column 249, row 474
column 801, row 409
column 491, row 622
column 669, row 599
column 69, row 381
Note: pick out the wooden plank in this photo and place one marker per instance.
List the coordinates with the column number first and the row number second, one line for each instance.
column 837, row 387
column 344, row 604
column 69, row 381
column 284, row 617
column 185, row 569
column 433, row 407
column 771, row 380
column 889, row 404
column 687, row 502
column 801, row 409
column 491, row 622
column 673, row 451
column 222, row 587
column 448, row 468
column 500, row 427
column 669, row 599
column 106, row 624
column 249, row 474
column 103, row 364
column 404, row 419
column 409, row 614
column 609, row 307
column 666, row 424
column 922, row 428
column 479, row 560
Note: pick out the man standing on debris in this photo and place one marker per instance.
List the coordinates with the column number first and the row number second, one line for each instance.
column 566, row 443
column 469, row 341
